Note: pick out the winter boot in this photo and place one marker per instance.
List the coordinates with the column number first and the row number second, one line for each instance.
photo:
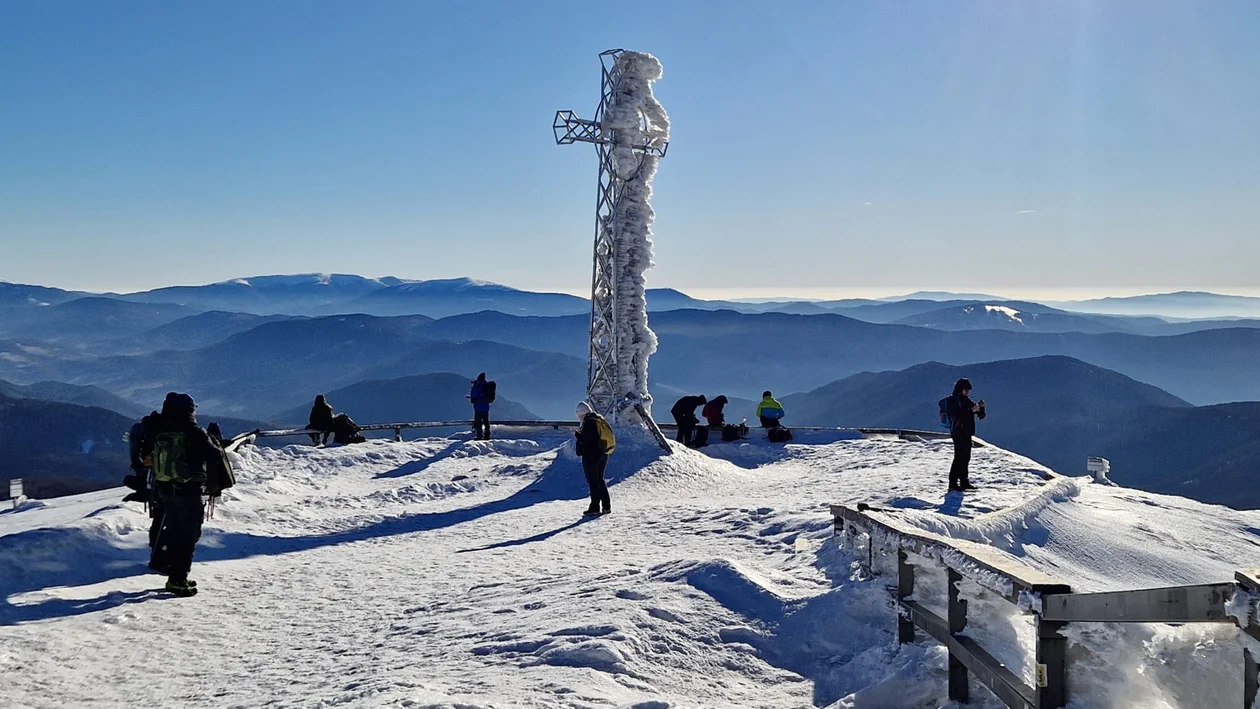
column 183, row 589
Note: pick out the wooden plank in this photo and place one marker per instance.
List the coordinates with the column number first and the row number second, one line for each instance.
column 1021, row 576
column 1249, row 579
column 1176, row 604
column 1000, row 680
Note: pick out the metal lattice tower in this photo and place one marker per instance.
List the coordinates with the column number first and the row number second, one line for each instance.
column 606, row 342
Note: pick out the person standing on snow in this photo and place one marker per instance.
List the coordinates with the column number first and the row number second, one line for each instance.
column 714, row 412
column 769, row 410
column 187, row 463
column 595, row 441
column 684, row 413
column 321, row 420
column 141, row 448
column 481, row 396
column 962, row 412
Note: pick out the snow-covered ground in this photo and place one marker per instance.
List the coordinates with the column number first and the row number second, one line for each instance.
column 451, row 572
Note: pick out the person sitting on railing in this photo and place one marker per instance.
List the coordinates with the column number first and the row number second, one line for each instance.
column 321, row 420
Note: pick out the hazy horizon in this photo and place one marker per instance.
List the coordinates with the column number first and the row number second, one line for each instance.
column 762, row 294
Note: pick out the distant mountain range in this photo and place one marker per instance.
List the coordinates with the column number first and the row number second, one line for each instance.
column 252, row 347
column 1058, row 410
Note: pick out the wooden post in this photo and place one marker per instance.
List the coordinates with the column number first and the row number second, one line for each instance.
column 1250, row 680
column 905, row 589
column 1051, row 684
column 957, row 623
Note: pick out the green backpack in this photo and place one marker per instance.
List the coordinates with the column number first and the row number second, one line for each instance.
column 170, row 459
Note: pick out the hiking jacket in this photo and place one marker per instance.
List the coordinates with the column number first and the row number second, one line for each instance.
column 686, row 406
column 479, row 396
column 713, row 411
column 321, row 417
column 962, row 418
column 770, row 408
column 588, row 439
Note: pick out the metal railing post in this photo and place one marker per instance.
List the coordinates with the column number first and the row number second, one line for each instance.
column 905, row 589
column 1051, row 685
column 398, row 435
column 957, row 623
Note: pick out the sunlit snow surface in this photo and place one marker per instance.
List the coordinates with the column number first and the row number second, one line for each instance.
column 450, row 572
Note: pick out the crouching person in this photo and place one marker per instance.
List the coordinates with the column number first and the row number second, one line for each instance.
column 595, row 441
column 187, row 464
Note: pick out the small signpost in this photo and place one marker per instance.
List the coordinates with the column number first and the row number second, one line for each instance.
column 15, row 490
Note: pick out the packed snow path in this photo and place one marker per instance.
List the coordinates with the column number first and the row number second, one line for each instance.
column 449, row 572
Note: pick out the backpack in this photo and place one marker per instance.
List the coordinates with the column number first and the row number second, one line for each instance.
column 490, row 391
column 170, row 458
column 221, row 478
column 944, row 411
column 779, row 435
column 731, row 432
column 607, row 440
column 345, row 430
column 700, row 438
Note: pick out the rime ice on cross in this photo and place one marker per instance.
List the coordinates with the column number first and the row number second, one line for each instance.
column 631, row 134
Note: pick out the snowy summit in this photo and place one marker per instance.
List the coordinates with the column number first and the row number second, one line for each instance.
column 448, row 572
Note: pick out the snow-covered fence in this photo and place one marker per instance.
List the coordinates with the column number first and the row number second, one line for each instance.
column 1050, row 600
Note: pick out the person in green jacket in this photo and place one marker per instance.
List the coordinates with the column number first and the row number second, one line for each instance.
column 769, row 410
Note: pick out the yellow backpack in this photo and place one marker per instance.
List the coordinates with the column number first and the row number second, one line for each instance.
column 606, row 438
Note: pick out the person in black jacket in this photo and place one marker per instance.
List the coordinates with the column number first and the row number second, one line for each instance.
column 594, row 459
column 185, row 461
column 684, row 413
column 963, row 413
column 321, row 420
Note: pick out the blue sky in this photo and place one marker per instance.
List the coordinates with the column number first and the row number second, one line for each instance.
column 1068, row 147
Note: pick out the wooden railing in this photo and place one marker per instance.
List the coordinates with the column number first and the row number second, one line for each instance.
column 1050, row 599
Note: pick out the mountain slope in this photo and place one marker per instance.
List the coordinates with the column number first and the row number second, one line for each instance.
column 61, row 449
column 444, row 297
column 423, row 397
column 72, row 394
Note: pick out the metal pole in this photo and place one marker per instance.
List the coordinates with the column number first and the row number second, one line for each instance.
column 905, row 589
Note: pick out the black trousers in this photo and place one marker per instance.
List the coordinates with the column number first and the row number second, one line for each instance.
column 767, row 422
column 481, row 425
column 686, row 427
column 962, row 459
column 184, row 515
column 593, row 466
column 315, row 438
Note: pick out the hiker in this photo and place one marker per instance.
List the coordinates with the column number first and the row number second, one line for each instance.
column 962, row 413
column 714, row 412
column 769, row 410
column 216, row 433
column 595, row 441
column 141, row 481
column 481, row 396
column 187, row 463
column 684, row 413
column 321, row 420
